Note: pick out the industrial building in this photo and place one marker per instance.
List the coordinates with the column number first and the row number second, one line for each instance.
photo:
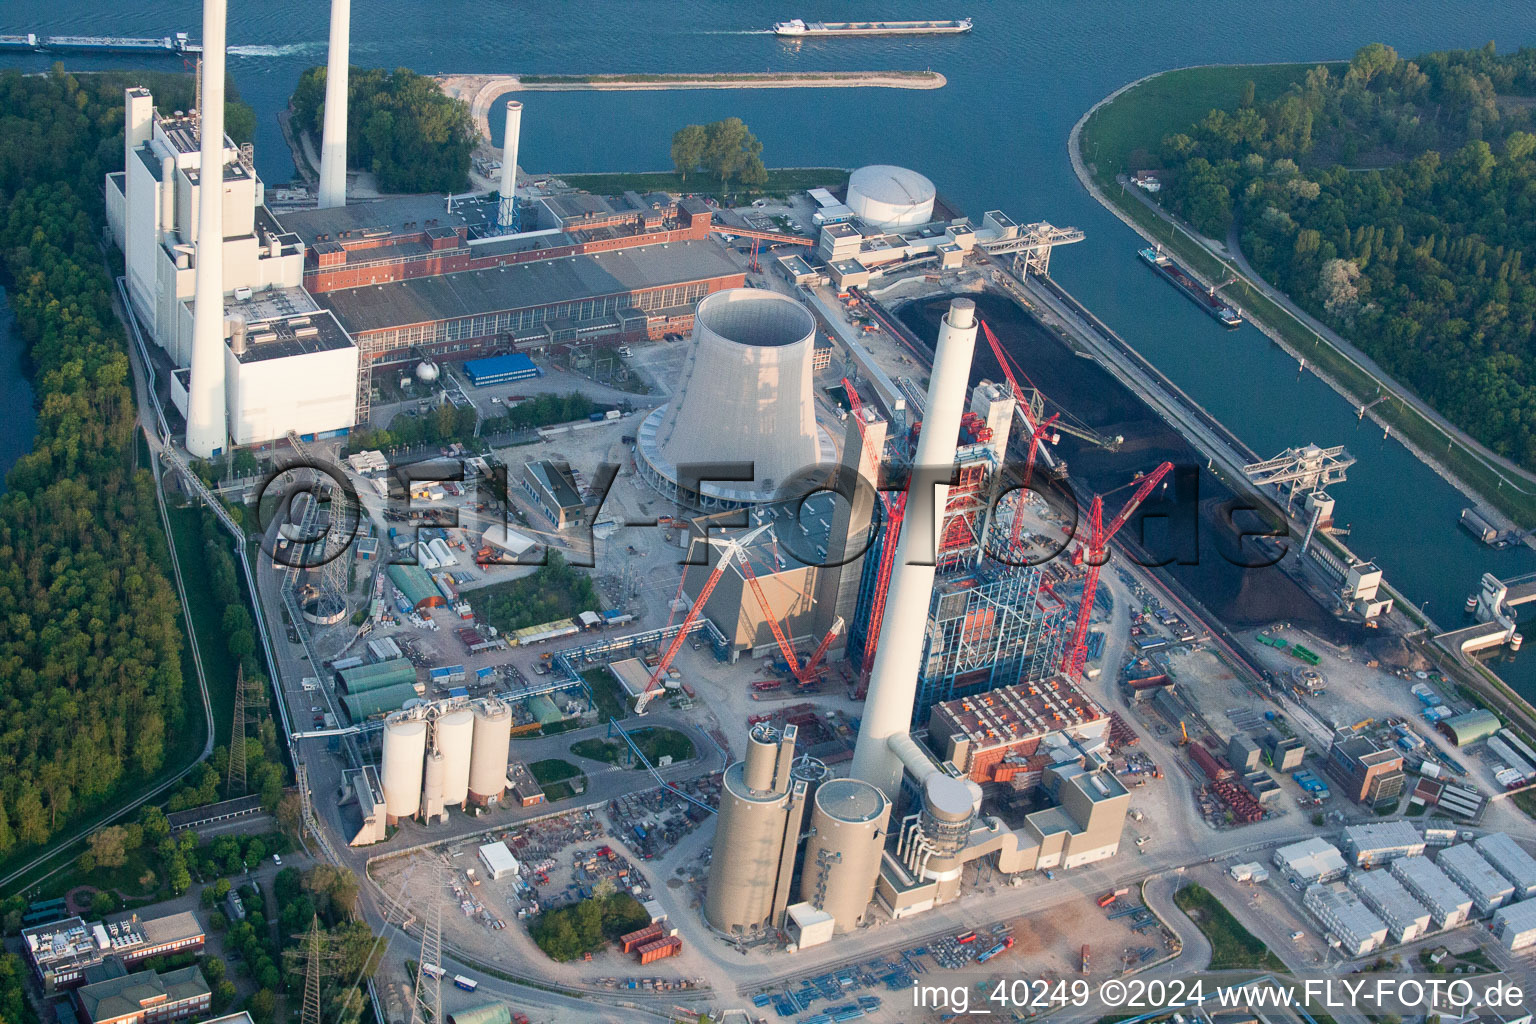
column 1367, row 773
column 504, row 369
column 1311, row 860
column 1515, row 925
column 1286, row 753
column 1012, row 734
column 1467, row 868
column 1243, row 753
column 145, row 997
column 1405, row 917
column 1510, row 860
column 1467, row 728
column 1448, row 903
column 444, row 754
column 1379, row 842
column 498, row 860
column 552, row 489
column 762, row 806
column 1347, row 919
column 61, row 952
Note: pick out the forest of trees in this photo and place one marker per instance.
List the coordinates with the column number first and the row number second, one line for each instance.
column 586, row 927
column 400, row 125
column 726, row 149
column 554, row 591
column 448, row 423
column 1396, row 203
column 91, row 689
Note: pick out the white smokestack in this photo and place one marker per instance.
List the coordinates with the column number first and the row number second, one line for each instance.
column 333, row 144
column 205, row 394
column 893, row 678
column 509, row 162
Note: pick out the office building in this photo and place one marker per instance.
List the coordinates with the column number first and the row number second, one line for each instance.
column 1311, row 860
column 1510, row 860
column 1448, row 903
column 1346, row 918
column 1515, row 925
column 1376, row 843
column 61, row 952
column 1406, row 918
column 1468, row 868
column 144, row 997
column 1366, row 773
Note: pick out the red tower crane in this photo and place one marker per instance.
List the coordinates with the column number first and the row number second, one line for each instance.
column 895, row 510
column 1095, row 555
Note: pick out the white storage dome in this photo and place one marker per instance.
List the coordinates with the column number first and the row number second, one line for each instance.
column 890, row 198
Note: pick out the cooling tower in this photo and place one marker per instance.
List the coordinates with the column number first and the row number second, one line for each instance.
column 842, row 856
column 488, row 759
column 744, row 397
column 405, row 744
column 206, row 415
column 455, row 737
column 893, row 678
column 333, row 140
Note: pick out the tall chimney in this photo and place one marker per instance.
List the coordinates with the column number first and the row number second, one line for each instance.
column 205, row 393
column 333, row 145
column 505, row 215
column 893, row 678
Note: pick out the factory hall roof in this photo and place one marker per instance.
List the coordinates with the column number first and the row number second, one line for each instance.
column 542, row 283
column 379, row 218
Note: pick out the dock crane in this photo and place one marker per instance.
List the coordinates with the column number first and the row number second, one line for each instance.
column 1094, row 556
column 895, row 511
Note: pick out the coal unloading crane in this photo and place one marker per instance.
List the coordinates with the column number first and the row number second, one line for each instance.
column 1094, row 556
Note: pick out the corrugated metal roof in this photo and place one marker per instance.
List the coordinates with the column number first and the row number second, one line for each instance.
column 378, row 675
column 376, row 702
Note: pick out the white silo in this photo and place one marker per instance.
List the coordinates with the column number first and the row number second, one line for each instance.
column 432, row 786
column 455, row 736
column 745, row 396
column 890, row 198
column 488, row 759
column 405, row 744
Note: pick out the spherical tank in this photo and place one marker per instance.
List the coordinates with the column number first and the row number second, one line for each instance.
column 455, row 738
column 890, row 198
column 749, row 840
column 426, row 372
column 405, row 744
column 842, row 857
column 488, row 759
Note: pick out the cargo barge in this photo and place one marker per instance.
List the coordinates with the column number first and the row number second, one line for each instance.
column 1185, row 282
column 177, row 44
column 796, row 28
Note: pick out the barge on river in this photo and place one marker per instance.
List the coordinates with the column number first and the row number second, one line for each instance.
column 1185, row 282
column 796, row 28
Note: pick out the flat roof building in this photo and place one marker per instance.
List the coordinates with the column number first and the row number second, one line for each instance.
column 1311, row 860
column 1347, row 919
column 1406, row 918
column 1510, row 860
column 1368, row 774
column 61, row 952
column 1448, row 903
column 1489, row 889
column 999, row 735
column 1379, row 842
column 498, row 860
column 1515, row 925
column 502, row 369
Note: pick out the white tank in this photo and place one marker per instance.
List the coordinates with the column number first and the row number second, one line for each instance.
column 432, row 789
column 890, row 198
column 455, row 736
column 426, row 372
column 488, row 759
column 405, row 744
column 842, row 855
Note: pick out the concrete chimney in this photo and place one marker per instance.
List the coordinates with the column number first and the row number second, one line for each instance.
column 205, row 393
column 333, row 145
column 893, row 677
column 504, row 216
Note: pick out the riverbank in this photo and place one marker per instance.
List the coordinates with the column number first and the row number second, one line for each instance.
column 1107, row 135
column 480, row 91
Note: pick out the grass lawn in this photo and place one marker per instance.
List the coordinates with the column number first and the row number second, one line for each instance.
column 556, row 777
column 1119, row 133
column 609, row 697
column 656, row 743
column 1233, row 947
column 781, row 181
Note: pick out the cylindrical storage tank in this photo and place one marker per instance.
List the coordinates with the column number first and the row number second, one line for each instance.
column 890, row 198
column 745, row 396
column 948, row 813
column 455, row 738
column 842, row 857
column 488, row 760
column 432, row 787
column 405, row 744
column 762, row 755
column 749, row 838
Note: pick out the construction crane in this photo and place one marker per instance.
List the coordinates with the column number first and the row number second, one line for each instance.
column 895, row 511
column 1031, row 402
column 1096, row 554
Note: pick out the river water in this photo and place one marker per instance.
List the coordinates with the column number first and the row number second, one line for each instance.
column 994, row 137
